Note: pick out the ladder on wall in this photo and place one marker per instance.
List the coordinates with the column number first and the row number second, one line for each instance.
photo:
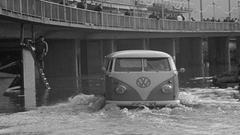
column 46, row 84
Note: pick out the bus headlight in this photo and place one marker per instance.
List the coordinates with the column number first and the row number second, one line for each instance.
column 167, row 88
column 120, row 89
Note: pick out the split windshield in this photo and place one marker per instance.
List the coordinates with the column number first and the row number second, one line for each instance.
column 142, row 64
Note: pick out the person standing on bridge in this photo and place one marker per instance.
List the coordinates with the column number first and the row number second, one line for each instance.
column 41, row 50
column 98, row 7
column 82, row 4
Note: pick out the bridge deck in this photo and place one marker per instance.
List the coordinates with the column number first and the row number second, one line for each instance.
column 42, row 11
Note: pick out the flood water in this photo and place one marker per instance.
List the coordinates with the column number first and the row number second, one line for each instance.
column 209, row 111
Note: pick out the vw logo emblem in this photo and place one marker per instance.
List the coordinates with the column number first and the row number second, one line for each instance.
column 143, row 82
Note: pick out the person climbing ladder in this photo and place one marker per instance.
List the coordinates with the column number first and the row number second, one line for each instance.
column 41, row 50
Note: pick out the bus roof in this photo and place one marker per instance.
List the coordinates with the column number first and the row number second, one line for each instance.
column 138, row 54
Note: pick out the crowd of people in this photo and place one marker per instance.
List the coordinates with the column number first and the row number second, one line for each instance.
column 178, row 17
column 227, row 19
column 83, row 5
column 153, row 15
column 95, row 6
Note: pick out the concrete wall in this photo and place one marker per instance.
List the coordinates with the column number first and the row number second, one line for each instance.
column 129, row 44
column 93, row 53
column 189, row 56
column 165, row 45
column 95, row 57
column 218, row 52
column 60, row 67
column 108, row 46
column 92, row 59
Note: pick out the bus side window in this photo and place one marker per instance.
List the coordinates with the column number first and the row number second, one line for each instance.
column 156, row 64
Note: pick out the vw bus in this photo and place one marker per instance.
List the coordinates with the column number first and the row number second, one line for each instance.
column 141, row 77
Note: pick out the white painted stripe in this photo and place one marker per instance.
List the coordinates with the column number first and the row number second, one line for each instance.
column 147, row 103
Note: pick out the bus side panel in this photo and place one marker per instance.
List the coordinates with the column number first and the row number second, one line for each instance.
column 108, row 88
column 176, row 86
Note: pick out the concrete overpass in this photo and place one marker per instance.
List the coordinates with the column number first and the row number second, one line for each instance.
column 79, row 39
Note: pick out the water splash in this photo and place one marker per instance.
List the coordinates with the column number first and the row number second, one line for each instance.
column 92, row 102
column 73, row 117
column 111, row 107
column 188, row 99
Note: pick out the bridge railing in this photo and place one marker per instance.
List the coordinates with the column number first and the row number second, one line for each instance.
column 45, row 10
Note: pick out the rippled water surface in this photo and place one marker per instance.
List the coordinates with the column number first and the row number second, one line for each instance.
column 201, row 112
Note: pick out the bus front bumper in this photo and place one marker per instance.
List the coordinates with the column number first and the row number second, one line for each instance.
column 146, row 103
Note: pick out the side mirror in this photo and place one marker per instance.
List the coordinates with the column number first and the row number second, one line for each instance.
column 182, row 70
column 103, row 69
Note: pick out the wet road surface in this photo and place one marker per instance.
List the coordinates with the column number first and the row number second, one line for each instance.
column 208, row 111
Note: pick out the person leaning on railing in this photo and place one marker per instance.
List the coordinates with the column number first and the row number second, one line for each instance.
column 98, row 7
column 82, row 4
column 127, row 13
column 153, row 15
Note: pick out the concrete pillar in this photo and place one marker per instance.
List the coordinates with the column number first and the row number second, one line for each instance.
column 218, row 55
column 101, row 52
column 174, row 49
column 145, row 43
column 29, row 80
column 201, row 52
column 78, row 64
column 238, row 50
column 112, row 45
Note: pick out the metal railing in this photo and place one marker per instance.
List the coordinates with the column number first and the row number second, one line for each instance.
column 45, row 10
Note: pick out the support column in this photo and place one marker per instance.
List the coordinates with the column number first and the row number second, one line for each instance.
column 205, row 61
column 238, row 51
column 174, row 49
column 112, row 45
column 218, row 55
column 201, row 49
column 145, row 43
column 29, row 80
column 78, row 64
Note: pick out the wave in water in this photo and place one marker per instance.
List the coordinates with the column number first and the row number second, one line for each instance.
column 200, row 112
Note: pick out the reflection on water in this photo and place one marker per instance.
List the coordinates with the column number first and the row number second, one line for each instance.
column 201, row 112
